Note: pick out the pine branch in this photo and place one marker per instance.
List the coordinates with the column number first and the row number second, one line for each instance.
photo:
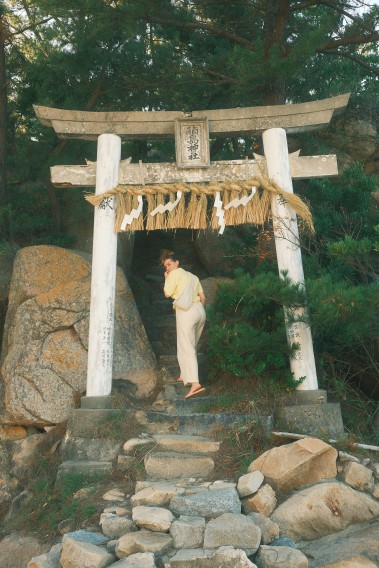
column 356, row 40
column 29, row 27
column 213, row 30
column 354, row 58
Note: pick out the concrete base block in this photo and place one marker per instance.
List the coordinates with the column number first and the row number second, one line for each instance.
column 319, row 396
column 96, row 402
column 315, row 419
column 84, row 422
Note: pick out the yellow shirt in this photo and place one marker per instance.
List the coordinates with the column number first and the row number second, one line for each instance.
column 177, row 280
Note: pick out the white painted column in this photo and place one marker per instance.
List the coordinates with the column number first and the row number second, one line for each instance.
column 288, row 251
column 103, row 285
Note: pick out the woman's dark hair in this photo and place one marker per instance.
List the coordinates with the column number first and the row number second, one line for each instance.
column 167, row 254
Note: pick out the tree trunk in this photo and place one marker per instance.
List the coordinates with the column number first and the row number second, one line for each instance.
column 274, row 31
column 3, row 116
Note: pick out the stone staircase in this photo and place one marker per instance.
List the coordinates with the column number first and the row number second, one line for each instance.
column 181, row 432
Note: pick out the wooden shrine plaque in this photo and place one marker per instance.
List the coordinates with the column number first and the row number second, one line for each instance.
column 192, row 143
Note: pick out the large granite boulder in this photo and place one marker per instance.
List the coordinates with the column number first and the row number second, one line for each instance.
column 16, row 550
column 296, row 465
column 323, row 509
column 345, row 549
column 353, row 136
column 44, row 353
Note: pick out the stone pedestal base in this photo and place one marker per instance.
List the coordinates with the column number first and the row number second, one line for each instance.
column 308, row 412
column 96, row 402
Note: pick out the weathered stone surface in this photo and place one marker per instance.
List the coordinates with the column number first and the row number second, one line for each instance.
column 269, row 529
column 155, row 519
column 49, row 560
column 280, row 557
column 171, row 465
column 356, row 540
column 323, row 509
column 224, row 557
column 249, row 483
column 352, row 562
column 264, row 501
column 125, row 463
column 17, row 550
column 115, row 526
column 134, row 444
column 296, row 465
column 85, row 449
column 24, row 454
column 207, row 503
column 156, row 495
column 358, row 476
column 88, row 537
column 76, row 554
column 187, row 444
column 143, row 541
column 114, row 495
column 345, row 457
column 219, row 484
column 46, row 332
column 353, row 136
column 229, row 529
column 139, row 560
column 17, row 504
column 188, row 532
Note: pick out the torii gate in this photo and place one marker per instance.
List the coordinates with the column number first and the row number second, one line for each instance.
column 109, row 127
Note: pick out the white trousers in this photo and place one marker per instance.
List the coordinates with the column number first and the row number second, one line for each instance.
column 189, row 325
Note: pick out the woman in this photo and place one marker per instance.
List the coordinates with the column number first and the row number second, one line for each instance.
column 189, row 302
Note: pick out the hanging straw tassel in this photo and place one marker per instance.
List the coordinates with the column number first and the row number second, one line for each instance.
column 120, row 210
column 126, row 207
column 151, row 205
column 191, row 210
column 180, row 212
column 171, row 221
column 160, row 218
column 137, row 224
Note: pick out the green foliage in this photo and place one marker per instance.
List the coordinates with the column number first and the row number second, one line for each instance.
column 247, row 335
column 27, row 219
column 48, row 507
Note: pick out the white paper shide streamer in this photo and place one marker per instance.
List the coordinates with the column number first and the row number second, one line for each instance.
column 168, row 207
column 134, row 214
column 219, row 212
column 243, row 201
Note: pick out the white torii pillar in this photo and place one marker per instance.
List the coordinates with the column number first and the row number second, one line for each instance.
column 288, row 253
column 103, row 284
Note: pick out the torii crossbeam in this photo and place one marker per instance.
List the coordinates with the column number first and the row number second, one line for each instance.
column 109, row 127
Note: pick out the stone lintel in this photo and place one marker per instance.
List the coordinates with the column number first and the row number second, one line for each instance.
column 161, row 124
column 302, row 167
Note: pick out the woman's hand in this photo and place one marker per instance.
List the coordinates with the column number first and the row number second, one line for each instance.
column 202, row 298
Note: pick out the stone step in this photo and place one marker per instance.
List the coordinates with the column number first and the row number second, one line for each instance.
column 81, row 467
column 186, row 444
column 174, row 465
column 196, row 424
column 193, row 405
column 85, row 449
